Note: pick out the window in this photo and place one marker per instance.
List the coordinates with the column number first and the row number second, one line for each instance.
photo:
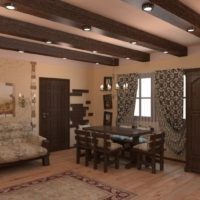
column 184, row 97
column 143, row 104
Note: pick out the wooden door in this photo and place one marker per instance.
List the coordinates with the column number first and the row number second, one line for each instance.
column 54, row 112
column 193, row 120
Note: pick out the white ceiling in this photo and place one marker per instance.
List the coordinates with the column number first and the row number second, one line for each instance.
column 122, row 12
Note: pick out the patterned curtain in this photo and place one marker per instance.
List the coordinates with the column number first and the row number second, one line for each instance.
column 126, row 98
column 169, row 103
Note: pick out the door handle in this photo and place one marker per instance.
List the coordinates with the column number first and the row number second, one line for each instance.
column 44, row 115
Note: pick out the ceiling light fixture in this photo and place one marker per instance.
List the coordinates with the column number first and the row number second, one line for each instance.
column 127, row 58
column 87, row 28
column 148, row 7
column 133, row 42
column 94, row 51
column 49, row 42
column 96, row 63
column 20, row 51
column 191, row 29
column 10, row 6
column 166, row 52
column 64, row 58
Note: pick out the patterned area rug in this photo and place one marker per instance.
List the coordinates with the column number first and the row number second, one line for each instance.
column 64, row 186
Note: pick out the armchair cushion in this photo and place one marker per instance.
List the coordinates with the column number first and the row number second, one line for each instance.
column 143, row 147
column 18, row 143
column 28, row 151
column 113, row 145
column 35, row 139
column 8, row 153
column 14, row 130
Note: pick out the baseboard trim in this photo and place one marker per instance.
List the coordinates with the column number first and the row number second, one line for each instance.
column 72, row 147
column 173, row 159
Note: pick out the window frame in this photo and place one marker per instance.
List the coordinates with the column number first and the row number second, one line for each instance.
column 144, row 118
column 153, row 98
column 184, row 96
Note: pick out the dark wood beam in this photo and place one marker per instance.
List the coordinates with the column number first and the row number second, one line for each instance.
column 62, row 12
column 174, row 12
column 27, row 30
column 42, row 49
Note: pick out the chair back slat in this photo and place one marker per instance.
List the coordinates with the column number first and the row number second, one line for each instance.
column 153, row 150
column 83, row 138
column 101, row 141
column 157, row 142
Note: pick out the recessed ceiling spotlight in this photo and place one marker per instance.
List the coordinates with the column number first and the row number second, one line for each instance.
column 64, row 58
column 133, row 42
column 20, row 51
column 49, row 42
column 87, row 28
column 166, row 52
column 94, row 51
column 10, row 6
column 127, row 58
column 191, row 29
column 148, row 7
column 96, row 63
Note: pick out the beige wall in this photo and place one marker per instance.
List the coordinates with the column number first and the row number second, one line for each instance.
column 19, row 74
column 16, row 68
column 79, row 74
column 86, row 76
column 158, row 61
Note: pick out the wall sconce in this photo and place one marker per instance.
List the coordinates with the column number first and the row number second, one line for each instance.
column 104, row 87
column 21, row 100
column 107, row 85
column 125, row 86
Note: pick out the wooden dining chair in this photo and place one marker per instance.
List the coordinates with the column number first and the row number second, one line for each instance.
column 103, row 145
column 83, row 145
column 144, row 138
column 152, row 151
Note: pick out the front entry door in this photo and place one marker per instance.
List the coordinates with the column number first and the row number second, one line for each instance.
column 193, row 120
column 54, row 112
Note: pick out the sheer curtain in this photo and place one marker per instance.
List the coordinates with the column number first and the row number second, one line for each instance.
column 126, row 98
column 169, row 104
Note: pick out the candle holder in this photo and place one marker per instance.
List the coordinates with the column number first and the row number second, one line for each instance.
column 21, row 100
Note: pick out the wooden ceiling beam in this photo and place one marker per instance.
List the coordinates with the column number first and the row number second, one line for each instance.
column 31, row 31
column 62, row 12
column 174, row 12
column 42, row 49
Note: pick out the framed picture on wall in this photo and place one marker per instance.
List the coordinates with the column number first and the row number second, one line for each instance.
column 7, row 99
column 107, row 119
column 107, row 101
column 107, row 80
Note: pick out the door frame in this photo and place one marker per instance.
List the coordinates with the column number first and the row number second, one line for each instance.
column 68, row 106
column 188, row 167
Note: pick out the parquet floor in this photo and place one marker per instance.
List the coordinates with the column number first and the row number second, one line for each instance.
column 172, row 184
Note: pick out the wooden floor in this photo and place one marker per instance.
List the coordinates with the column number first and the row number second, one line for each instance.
column 172, row 184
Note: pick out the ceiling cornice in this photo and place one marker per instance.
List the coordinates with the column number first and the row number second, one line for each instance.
column 41, row 49
column 62, row 12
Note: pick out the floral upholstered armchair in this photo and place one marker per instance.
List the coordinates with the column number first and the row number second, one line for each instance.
column 18, row 143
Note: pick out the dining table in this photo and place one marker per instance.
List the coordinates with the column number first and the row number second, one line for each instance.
column 134, row 133
column 114, row 130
